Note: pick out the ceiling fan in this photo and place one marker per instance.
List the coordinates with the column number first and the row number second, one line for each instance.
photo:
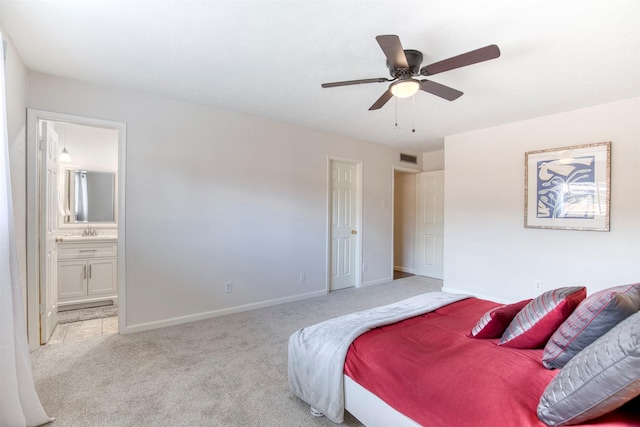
column 404, row 65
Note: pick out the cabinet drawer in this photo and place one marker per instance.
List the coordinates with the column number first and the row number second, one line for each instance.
column 87, row 250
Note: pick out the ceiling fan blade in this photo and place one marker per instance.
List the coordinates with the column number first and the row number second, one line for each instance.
column 392, row 49
column 442, row 91
column 479, row 55
column 355, row 82
column 381, row 101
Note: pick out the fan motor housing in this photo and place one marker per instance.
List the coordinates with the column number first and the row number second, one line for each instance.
column 414, row 59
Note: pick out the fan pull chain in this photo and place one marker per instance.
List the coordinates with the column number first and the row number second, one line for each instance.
column 414, row 113
column 396, row 99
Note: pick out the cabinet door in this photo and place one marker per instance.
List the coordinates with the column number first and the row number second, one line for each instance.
column 72, row 282
column 102, row 276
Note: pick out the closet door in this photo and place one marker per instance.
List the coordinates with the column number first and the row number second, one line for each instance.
column 343, row 225
column 430, row 224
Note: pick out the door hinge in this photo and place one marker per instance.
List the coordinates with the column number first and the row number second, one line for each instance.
column 42, row 310
column 42, row 145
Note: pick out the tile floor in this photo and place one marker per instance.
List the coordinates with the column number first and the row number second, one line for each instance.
column 85, row 329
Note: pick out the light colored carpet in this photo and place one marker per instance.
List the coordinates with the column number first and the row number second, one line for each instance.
column 224, row 371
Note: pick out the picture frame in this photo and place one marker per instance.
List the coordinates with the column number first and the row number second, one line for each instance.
column 568, row 188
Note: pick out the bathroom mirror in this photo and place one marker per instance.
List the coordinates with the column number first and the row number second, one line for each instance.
column 89, row 196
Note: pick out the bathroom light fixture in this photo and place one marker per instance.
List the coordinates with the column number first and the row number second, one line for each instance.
column 405, row 88
column 64, row 156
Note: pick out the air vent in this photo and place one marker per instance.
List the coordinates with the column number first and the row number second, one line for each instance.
column 408, row 158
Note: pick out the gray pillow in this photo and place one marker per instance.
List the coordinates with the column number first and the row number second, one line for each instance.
column 602, row 377
column 593, row 317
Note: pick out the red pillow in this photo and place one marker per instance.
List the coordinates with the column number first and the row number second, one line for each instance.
column 538, row 320
column 493, row 323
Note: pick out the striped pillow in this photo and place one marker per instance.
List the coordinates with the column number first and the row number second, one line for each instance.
column 493, row 323
column 594, row 317
column 598, row 380
column 537, row 321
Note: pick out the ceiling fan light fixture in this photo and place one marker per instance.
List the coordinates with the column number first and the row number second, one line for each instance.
column 405, row 88
column 404, row 64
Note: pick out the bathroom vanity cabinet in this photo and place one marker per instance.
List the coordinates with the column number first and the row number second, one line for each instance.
column 87, row 272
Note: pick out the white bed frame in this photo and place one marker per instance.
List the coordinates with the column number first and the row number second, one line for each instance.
column 370, row 410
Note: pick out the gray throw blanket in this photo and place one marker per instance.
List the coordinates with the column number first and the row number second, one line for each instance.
column 317, row 353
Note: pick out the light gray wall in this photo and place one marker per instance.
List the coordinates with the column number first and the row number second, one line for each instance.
column 488, row 251
column 16, row 93
column 214, row 196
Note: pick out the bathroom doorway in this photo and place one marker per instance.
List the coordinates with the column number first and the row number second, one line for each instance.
column 80, row 205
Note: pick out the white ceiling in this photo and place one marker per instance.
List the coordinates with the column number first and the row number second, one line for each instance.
column 268, row 58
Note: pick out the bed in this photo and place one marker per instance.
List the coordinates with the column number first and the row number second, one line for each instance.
column 415, row 363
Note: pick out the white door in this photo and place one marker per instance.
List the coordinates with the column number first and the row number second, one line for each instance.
column 48, row 231
column 430, row 224
column 343, row 225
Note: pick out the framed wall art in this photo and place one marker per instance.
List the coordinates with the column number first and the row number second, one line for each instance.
column 568, row 188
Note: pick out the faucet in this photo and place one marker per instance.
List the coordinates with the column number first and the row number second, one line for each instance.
column 89, row 231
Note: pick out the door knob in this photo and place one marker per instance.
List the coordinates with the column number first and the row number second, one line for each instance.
column 354, row 232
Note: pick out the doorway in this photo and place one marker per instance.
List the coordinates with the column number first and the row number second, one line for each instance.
column 404, row 222
column 56, row 191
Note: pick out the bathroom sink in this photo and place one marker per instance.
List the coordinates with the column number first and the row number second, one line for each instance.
column 88, row 238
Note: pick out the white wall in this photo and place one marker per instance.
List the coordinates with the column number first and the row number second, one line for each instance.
column 214, row 196
column 433, row 161
column 488, row 252
column 16, row 92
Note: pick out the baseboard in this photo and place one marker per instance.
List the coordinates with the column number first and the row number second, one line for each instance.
column 404, row 269
column 129, row 329
column 475, row 294
column 75, row 306
column 84, row 303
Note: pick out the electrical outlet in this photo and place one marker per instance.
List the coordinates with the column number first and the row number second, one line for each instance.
column 537, row 285
column 303, row 277
column 365, row 267
column 228, row 287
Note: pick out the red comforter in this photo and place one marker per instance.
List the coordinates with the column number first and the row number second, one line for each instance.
column 429, row 369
